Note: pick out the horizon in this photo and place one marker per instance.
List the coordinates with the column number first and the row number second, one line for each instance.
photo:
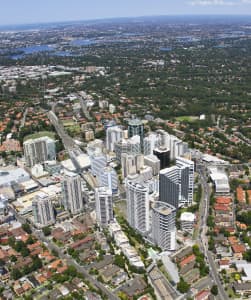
column 240, row 16
column 26, row 12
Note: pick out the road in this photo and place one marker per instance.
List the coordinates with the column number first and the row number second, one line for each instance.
column 203, row 242
column 40, row 236
column 68, row 142
column 24, row 117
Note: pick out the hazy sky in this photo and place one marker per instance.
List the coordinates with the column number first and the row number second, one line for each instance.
column 32, row 11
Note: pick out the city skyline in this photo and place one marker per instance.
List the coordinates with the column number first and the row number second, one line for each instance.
column 26, row 12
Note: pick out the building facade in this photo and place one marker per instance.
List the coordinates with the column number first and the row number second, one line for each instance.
column 104, row 211
column 129, row 146
column 163, row 155
column 114, row 134
column 98, row 163
column 72, row 198
column 37, row 151
column 170, row 186
column 42, row 210
column 187, row 180
column 177, row 183
column 153, row 162
column 137, row 198
column 163, row 225
column 136, row 127
column 108, row 177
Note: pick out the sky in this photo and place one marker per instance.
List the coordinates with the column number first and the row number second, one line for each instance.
column 36, row 11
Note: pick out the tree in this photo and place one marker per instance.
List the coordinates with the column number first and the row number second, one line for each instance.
column 26, row 227
column 11, row 241
column 30, row 240
column 210, row 221
column 119, row 260
column 16, row 274
column 214, row 290
column 47, row 230
column 247, row 255
column 37, row 263
column 183, row 286
column 25, row 252
column 71, row 271
column 13, row 258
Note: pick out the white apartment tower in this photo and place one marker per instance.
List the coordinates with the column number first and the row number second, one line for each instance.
column 151, row 142
column 42, row 210
column 37, row 151
column 104, row 211
column 98, row 163
column 163, row 225
column 153, row 162
column 114, row 134
column 137, row 197
column 187, row 180
column 129, row 146
column 108, row 177
column 72, row 193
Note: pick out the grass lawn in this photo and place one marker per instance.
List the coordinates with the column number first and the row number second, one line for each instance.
column 120, row 208
column 68, row 123
column 40, row 134
column 73, row 130
column 187, row 118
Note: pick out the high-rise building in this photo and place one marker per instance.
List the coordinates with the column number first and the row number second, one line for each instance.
column 172, row 143
column 128, row 163
column 151, row 142
column 131, row 164
column 146, row 173
column 170, row 186
column 37, row 151
column 104, row 211
column 163, row 155
column 129, row 146
column 108, row 177
column 72, row 193
column 137, row 206
column 187, row 180
column 95, row 147
column 176, row 183
column 114, row 134
column 98, row 163
column 163, row 225
column 136, row 127
column 42, row 209
column 153, row 162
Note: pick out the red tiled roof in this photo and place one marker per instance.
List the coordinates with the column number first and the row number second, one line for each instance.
column 202, row 295
column 240, row 194
column 221, row 207
column 223, row 200
column 238, row 248
column 187, row 260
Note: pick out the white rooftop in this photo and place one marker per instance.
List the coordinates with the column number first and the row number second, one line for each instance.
column 246, row 267
column 187, row 216
column 14, row 174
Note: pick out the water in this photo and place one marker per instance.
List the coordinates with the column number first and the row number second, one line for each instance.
column 81, row 42
column 166, row 49
column 31, row 50
column 41, row 48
